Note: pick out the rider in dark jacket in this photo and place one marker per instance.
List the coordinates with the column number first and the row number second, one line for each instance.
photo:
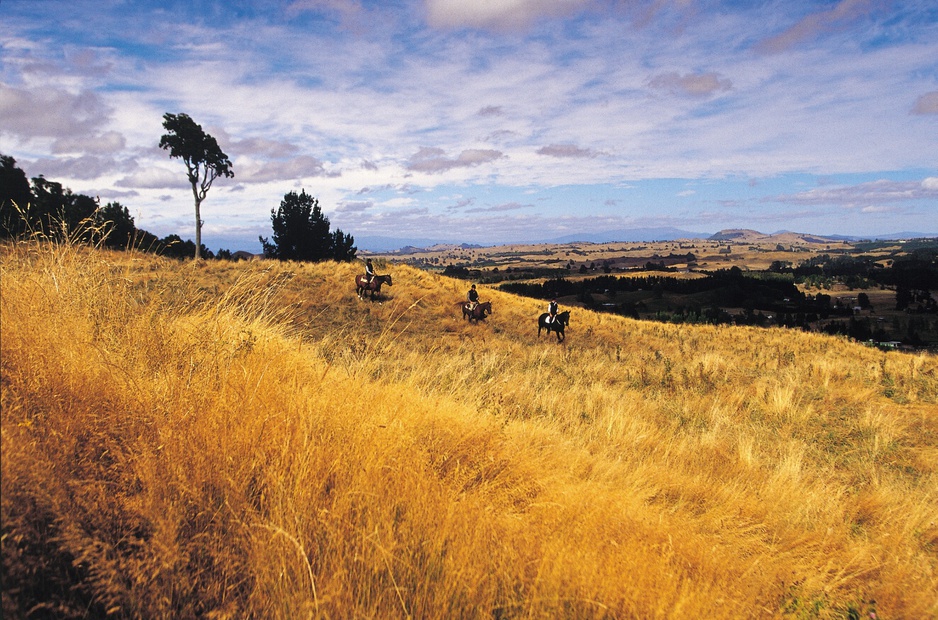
column 472, row 297
column 551, row 310
column 369, row 271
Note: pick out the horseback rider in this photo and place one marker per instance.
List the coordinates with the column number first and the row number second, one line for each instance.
column 473, row 298
column 369, row 271
column 551, row 310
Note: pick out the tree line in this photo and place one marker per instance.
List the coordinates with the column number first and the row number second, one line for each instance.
column 753, row 294
column 734, row 286
column 46, row 209
column 913, row 274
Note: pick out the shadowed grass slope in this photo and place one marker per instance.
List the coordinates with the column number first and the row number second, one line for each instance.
column 251, row 440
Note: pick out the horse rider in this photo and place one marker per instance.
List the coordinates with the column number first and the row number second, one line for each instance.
column 473, row 298
column 369, row 271
column 551, row 310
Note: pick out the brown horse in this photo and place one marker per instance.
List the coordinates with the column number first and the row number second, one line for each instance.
column 362, row 285
column 557, row 325
column 478, row 313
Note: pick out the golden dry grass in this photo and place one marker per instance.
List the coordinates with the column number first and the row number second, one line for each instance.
column 251, row 440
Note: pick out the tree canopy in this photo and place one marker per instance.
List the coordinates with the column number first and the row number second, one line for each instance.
column 301, row 232
column 15, row 197
column 204, row 159
column 116, row 224
column 45, row 207
column 48, row 209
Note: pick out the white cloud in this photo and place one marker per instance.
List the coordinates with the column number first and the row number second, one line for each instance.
column 155, row 178
column 497, row 14
column 879, row 191
column 434, row 160
column 501, row 208
column 50, row 112
column 690, row 85
column 82, row 167
column 107, row 142
column 257, row 146
column 302, row 167
column 566, row 150
column 481, row 103
column 818, row 23
column 877, row 209
column 355, row 207
column 491, row 110
column 926, row 104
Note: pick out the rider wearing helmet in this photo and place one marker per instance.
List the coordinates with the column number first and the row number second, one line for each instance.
column 369, row 271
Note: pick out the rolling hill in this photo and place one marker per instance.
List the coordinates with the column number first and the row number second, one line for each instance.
column 250, row 439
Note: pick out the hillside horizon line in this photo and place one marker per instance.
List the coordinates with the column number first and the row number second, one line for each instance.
column 404, row 245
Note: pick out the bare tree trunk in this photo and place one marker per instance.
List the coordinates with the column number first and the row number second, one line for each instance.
column 198, row 223
column 198, row 233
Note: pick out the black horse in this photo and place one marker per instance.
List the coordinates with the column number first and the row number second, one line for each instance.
column 362, row 285
column 478, row 313
column 559, row 323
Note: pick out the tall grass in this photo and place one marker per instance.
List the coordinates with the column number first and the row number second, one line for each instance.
column 251, row 440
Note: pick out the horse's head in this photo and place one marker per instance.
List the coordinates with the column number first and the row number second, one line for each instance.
column 486, row 307
column 387, row 278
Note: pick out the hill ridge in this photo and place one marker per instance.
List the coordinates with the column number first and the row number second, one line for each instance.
column 252, row 440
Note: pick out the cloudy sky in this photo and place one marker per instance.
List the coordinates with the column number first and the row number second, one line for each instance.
column 487, row 121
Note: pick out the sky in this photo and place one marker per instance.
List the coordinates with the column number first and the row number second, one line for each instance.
column 486, row 121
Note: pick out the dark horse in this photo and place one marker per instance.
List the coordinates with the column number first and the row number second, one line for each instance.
column 559, row 323
column 362, row 285
column 478, row 313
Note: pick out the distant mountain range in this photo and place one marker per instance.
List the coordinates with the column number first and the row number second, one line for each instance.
column 393, row 244
column 632, row 235
column 785, row 236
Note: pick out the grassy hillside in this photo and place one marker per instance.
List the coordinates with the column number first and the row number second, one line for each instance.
column 251, row 440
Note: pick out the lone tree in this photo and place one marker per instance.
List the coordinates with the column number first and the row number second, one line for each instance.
column 204, row 160
column 301, row 232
